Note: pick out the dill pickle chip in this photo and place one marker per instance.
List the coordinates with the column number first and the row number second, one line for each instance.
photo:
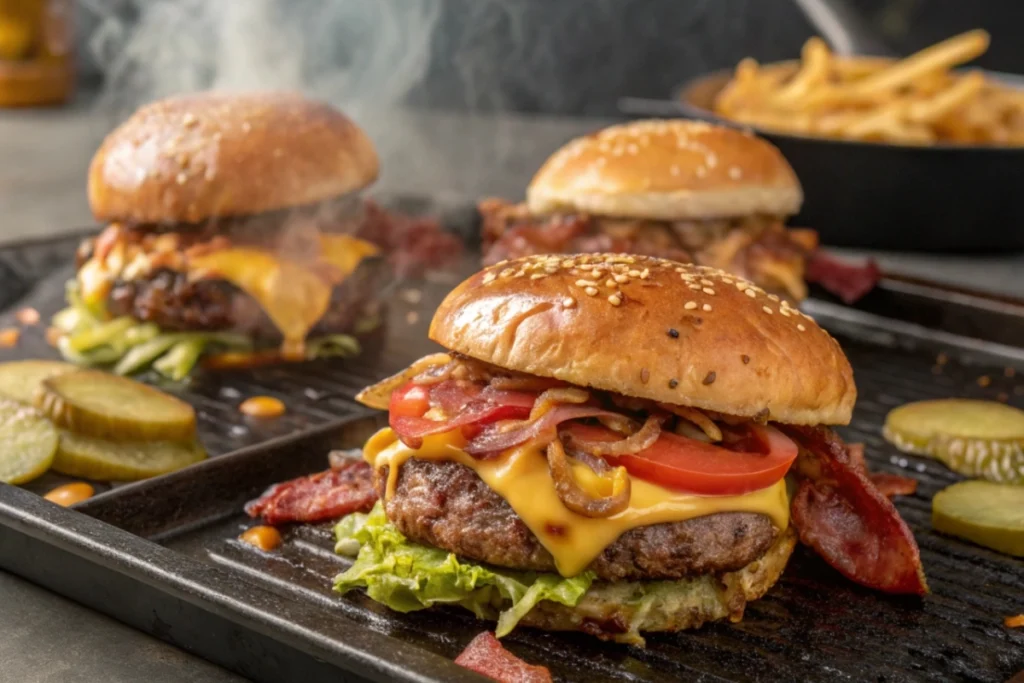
column 95, row 403
column 28, row 442
column 974, row 438
column 982, row 512
column 92, row 458
column 19, row 379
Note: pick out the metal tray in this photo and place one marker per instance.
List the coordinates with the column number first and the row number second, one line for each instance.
column 162, row 555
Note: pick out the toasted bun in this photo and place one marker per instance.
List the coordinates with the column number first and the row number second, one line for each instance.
column 682, row 334
column 194, row 157
column 667, row 170
column 677, row 605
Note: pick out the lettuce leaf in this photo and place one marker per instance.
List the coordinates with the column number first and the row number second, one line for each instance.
column 406, row 576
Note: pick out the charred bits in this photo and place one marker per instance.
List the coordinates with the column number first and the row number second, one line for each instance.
column 709, row 378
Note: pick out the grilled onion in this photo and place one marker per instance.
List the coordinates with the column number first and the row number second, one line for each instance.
column 696, row 417
column 552, row 397
column 575, row 497
column 379, row 395
column 644, row 438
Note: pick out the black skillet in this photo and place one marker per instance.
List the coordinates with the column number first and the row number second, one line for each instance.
column 862, row 194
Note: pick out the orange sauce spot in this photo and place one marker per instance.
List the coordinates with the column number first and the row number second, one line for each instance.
column 1014, row 622
column 241, row 359
column 53, row 335
column 9, row 337
column 262, row 406
column 266, row 538
column 27, row 316
column 69, row 494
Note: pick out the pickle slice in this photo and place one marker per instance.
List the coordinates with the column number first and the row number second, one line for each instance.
column 106, row 406
column 28, row 442
column 19, row 379
column 974, row 438
column 982, row 512
column 92, row 458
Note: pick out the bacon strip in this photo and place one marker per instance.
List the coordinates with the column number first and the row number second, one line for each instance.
column 319, row 497
column 847, row 281
column 486, row 656
column 889, row 484
column 842, row 515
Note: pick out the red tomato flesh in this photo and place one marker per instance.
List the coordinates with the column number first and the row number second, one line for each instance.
column 693, row 466
column 412, row 400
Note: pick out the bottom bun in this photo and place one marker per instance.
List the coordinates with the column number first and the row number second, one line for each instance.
column 621, row 610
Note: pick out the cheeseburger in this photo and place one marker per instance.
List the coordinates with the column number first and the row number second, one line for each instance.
column 605, row 447
column 228, row 225
column 684, row 190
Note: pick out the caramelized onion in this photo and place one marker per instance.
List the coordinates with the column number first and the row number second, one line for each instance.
column 574, row 497
column 524, row 383
column 379, row 395
column 644, row 438
column 696, row 417
column 620, row 424
column 552, row 397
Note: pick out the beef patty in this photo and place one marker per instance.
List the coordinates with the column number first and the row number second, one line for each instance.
column 445, row 504
column 174, row 302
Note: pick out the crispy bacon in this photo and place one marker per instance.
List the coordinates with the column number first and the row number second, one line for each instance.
column 324, row 496
column 413, row 244
column 847, row 281
column 889, row 484
column 486, row 656
column 840, row 513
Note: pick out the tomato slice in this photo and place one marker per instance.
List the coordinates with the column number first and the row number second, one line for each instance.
column 412, row 400
column 693, row 466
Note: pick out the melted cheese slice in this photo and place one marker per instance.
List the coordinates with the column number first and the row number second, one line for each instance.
column 521, row 477
column 294, row 295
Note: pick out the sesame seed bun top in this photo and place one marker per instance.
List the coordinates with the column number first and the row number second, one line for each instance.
column 667, row 170
column 194, row 157
column 651, row 328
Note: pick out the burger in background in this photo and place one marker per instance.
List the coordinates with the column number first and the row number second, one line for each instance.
column 683, row 190
column 234, row 227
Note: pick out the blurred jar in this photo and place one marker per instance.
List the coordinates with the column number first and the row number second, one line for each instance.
column 36, row 52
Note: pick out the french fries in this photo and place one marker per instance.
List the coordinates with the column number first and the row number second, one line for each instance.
column 920, row 100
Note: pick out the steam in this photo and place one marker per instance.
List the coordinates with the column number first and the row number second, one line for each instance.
column 358, row 54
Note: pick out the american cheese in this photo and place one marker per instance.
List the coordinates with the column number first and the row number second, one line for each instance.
column 294, row 295
column 521, row 477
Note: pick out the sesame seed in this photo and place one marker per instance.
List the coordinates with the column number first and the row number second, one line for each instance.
column 550, row 269
column 673, row 332
column 727, row 280
column 621, row 279
column 673, row 383
column 784, row 311
column 708, row 290
column 745, row 358
column 706, row 282
column 644, row 375
column 538, row 276
column 507, row 272
column 801, row 327
column 645, row 274
column 766, row 310
column 189, row 119
column 591, row 291
column 585, row 283
column 615, row 299
column 568, row 302
column 181, row 178
column 709, row 378
column 610, row 282
column 706, row 307
column 690, row 305
column 695, row 288
column 773, row 297
column 750, row 293
column 489, row 278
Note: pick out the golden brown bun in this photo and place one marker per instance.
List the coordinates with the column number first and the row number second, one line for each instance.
column 682, row 334
column 667, row 170
column 193, row 157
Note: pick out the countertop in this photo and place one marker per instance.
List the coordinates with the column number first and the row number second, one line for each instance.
column 43, row 160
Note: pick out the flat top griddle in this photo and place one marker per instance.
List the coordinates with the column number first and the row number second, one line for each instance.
column 162, row 555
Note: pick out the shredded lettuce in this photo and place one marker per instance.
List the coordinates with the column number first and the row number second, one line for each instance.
column 406, row 576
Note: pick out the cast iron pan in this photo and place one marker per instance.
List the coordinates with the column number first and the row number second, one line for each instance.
column 951, row 198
